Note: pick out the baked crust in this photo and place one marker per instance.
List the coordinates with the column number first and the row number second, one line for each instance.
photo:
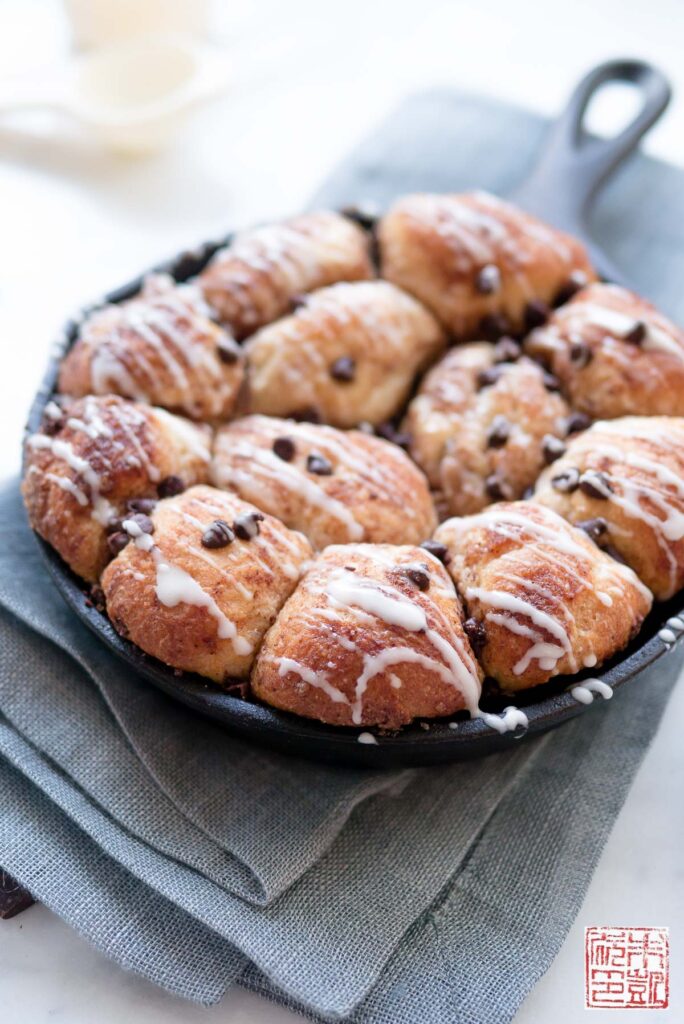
column 252, row 281
column 438, row 248
column 624, row 480
column 614, row 354
column 203, row 609
column 381, row 334
column 549, row 600
column 359, row 643
column 334, row 487
column 93, row 456
column 160, row 347
column 477, row 426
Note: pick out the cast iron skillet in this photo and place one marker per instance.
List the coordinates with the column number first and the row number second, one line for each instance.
column 571, row 169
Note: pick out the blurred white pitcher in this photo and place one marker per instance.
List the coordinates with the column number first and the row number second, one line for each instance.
column 133, row 95
column 99, row 22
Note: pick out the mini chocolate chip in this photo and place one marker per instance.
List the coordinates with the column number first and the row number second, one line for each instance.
column 614, row 553
column 494, row 326
column 580, row 354
column 477, row 634
column 536, row 314
column 116, row 542
column 142, row 521
column 595, row 484
column 507, row 350
column 227, row 351
column 217, row 535
column 284, row 448
column 365, row 214
column 552, row 448
column 247, row 526
column 350, row 568
column 567, row 481
column 318, row 464
column 577, row 421
column 499, row 432
column 145, row 505
column 343, row 369
column 488, row 279
column 52, row 425
column 390, row 433
column 115, row 524
column 170, row 486
column 297, row 301
column 593, row 528
column 577, row 280
column 496, row 488
column 440, row 551
column 420, row 576
column 486, row 378
column 307, row 415
column 637, row 334
column 551, row 383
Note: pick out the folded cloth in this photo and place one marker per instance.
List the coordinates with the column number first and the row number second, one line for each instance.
column 200, row 860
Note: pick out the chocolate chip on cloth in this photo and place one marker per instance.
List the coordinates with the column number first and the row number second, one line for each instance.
column 13, row 897
column 477, row 426
column 628, row 493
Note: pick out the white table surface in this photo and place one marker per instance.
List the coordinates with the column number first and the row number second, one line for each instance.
column 311, row 80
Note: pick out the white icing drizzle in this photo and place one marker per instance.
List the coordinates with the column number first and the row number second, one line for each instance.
column 367, row 737
column 676, row 624
column 667, row 636
column 584, row 692
column 511, row 719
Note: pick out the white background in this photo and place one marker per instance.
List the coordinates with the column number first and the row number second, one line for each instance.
column 311, row 79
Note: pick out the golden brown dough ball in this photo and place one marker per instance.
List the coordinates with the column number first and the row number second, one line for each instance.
column 201, row 580
column 484, row 267
column 335, row 487
column 96, row 459
column 614, row 354
column 623, row 482
column 252, row 281
column 349, row 354
column 481, row 429
column 160, row 347
column 371, row 636
column 542, row 600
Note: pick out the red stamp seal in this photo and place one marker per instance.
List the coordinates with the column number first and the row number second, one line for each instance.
column 627, row 968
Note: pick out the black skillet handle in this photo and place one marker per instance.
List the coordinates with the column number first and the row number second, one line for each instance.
column 574, row 164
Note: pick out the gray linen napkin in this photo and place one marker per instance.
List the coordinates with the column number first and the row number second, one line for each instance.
column 198, row 860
